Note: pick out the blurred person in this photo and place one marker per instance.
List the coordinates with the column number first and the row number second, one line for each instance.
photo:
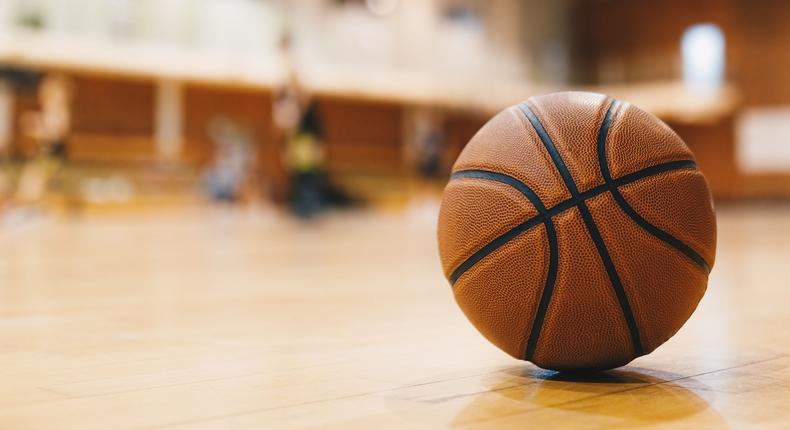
column 229, row 176
column 298, row 120
column 427, row 143
column 13, row 81
column 49, row 127
column 6, row 126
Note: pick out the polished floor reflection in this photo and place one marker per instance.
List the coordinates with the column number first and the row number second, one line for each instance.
column 208, row 319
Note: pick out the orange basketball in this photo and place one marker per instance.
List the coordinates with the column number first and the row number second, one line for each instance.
column 577, row 231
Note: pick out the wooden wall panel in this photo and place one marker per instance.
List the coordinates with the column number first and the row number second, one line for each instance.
column 640, row 37
column 251, row 109
column 112, row 106
column 112, row 120
column 459, row 129
column 762, row 51
column 362, row 135
column 643, row 40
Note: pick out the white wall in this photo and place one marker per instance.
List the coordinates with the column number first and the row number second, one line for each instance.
column 415, row 38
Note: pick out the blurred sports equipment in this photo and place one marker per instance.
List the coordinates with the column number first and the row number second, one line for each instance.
column 577, row 231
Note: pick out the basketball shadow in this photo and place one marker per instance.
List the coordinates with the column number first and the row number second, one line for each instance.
column 628, row 396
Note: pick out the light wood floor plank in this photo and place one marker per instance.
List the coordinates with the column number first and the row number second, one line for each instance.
column 204, row 319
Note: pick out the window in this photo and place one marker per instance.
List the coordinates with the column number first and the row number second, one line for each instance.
column 702, row 49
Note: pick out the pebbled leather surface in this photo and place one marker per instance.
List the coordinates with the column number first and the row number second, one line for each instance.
column 663, row 286
column 638, row 139
column 508, row 144
column 503, row 315
column 687, row 215
column 584, row 324
column 479, row 211
column 572, row 120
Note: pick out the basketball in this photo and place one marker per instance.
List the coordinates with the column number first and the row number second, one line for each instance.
column 577, row 231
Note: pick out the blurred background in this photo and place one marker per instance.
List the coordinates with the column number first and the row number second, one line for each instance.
column 139, row 105
column 212, row 209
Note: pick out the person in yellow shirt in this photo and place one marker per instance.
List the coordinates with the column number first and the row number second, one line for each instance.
column 298, row 118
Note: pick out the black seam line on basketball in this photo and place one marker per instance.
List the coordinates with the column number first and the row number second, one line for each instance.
column 666, row 237
column 551, row 234
column 592, row 228
column 493, row 246
column 559, row 208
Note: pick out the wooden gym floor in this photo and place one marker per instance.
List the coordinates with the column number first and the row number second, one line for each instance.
column 203, row 319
